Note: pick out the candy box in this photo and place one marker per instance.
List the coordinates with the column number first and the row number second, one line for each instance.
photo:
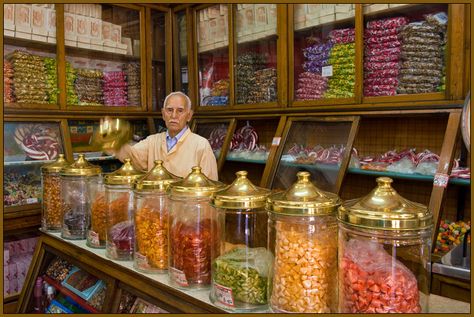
column 222, row 28
column 272, row 14
column 375, row 7
column 95, row 32
column 70, row 27
column 213, row 12
column 83, row 29
column 327, row 18
column 23, row 18
column 203, row 33
column 9, row 17
column 82, row 283
column 261, row 17
column 213, row 31
column 117, row 33
column 51, row 22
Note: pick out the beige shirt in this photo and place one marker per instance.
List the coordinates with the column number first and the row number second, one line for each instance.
column 191, row 150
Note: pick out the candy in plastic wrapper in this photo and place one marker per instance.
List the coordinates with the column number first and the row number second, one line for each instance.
column 393, row 81
column 420, row 48
column 417, row 85
column 431, row 63
column 383, row 51
column 371, row 93
column 421, row 72
column 383, row 46
column 341, row 32
column 418, row 79
column 115, row 89
column 318, row 48
column 382, row 58
column 343, row 39
column 384, row 73
column 380, row 66
column 381, row 39
column 416, row 40
column 407, row 55
column 402, row 90
column 380, row 32
column 389, row 23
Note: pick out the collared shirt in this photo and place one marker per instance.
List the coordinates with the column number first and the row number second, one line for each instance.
column 171, row 141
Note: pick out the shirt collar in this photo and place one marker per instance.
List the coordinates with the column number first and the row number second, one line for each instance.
column 177, row 136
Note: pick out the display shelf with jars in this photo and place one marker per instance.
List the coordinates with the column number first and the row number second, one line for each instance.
column 253, row 145
column 321, row 146
column 219, row 134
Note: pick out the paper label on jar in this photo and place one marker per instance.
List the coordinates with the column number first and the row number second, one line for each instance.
column 178, row 276
column 224, row 295
column 141, row 261
column 112, row 251
column 326, row 71
column 93, row 238
column 441, row 180
column 31, row 200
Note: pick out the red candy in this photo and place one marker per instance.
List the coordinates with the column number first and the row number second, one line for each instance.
column 387, row 23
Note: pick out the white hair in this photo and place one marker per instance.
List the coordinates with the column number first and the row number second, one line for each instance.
column 178, row 93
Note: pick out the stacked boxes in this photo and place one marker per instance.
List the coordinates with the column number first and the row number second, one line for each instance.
column 317, row 14
column 9, row 19
column 255, row 21
column 370, row 8
column 23, row 21
column 213, row 28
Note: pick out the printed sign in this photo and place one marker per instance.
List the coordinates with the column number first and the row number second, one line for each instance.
column 224, row 295
column 326, row 71
column 178, row 277
column 93, row 238
column 441, row 180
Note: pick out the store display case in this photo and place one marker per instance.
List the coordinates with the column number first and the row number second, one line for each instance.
column 181, row 46
column 323, row 54
column 32, row 144
column 321, row 146
column 30, row 53
column 105, row 63
column 219, row 133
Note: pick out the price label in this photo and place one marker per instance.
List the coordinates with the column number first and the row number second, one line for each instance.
column 141, row 260
column 326, row 71
column 441, row 180
column 276, row 141
column 93, row 238
column 178, row 276
column 31, row 200
column 112, row 251
column 224, row 295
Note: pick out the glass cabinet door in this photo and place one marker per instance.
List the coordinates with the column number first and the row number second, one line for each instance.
column 30, row 145
column 29, row 61
column 182, row 77
column 217, row 132
column 256, row 61
column 213, row 55
column 103, row 55
column 323, row 51
column 319, row 146
column 160, row 125
column 158, row 60
column 405, row 48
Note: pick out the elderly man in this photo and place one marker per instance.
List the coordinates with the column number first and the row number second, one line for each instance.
column 178, row 147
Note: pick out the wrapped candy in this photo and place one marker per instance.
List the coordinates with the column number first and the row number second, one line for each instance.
column 51, row 80
column 115, row 89
column 381, row 39
column 383, row 51
column 310, row 86
column 380, row 32
column 383, row 46
column 384, row 73
column 71, row 75
column 247, row 65
column 392, row 81
column 395, row 22
column 132, row 73
column 88, row 87
column 379, row 66
column 8, row 95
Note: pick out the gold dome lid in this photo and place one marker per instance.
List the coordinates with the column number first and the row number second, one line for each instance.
column 196, row 184
column 384, row 208
column 125, row 175
column 112, row 133
column 81, row 167
column 241, row 194
column 303, row 199
column 158, row 178
column 55, row 166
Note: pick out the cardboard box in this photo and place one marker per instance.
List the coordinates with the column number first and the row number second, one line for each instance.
column 272, row 15
column 128, row 43
column 300, row 25
column 9, row 16
column 70, row 27
column 299, row 13
column 240, row 20
column 375, row 7
column 312, row 22
column 117, row 33
column 71, row 43
column 327, row 18
column 261, row 16
column 52, row 39
column 345, row 15
column 23, row 35
column 394, row 5
column 8, row 33
column 51, row 22
column 212, row 31
column 222, row 25
column 224, row 9
column 327, row 9
column 39, row 38
column 106, row 31
column 313, row 9
column 136, row 48
column 203, row 32
column 342, row 8
column 83, row 29
column 23, row 18
column 214, row 11
column 95, row 33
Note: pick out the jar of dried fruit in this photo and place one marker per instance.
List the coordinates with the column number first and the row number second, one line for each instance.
column 151, row 206
column 75, row 195
column 384, row 253
column 303, row 236
column 193, row 231
column 97, row 223
column 240, row 273
column 120, row 234
column 52, row 216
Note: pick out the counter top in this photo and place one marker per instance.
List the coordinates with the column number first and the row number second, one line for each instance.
column 437, row 304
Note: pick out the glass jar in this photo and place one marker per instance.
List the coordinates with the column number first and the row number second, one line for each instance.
column 384, row 253
column 193, row 231
column 240, row 273
column 76, row 197
column 120, row 236
column 303, row 236
column 52, row 216
column 96, row 230
column 151, row 206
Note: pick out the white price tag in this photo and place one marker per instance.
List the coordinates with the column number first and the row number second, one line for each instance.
column 224, row 295
column 441, row 180
column 93, row 238
column 141, row 260
column 31, row 200
column 326, row 71
column 276, row 141
column 178, row 276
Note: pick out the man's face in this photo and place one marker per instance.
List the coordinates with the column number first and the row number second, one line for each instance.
column 176, row 114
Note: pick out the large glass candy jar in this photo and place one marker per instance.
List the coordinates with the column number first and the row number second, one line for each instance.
column 98, row 212
column 193, row 231
column 151, row 206
column 384, row 253
column 52, row 213
column 75, row 195
column 303, row 236
column 120, row 235
column 241, row 271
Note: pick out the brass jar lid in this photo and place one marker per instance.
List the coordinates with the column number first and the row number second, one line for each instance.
column 158, row 178
column 125, row 175
column 112, row 133
column 56, row 166
column 196, row 184
column 81, row 167
column 303, row 199
column 241, row 194
column 384, row 208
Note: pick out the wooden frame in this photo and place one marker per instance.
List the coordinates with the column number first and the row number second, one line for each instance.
column 354, row 120
column 230, row 132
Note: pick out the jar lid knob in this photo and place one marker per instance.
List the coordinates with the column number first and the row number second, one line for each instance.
column 196, row 169
column 158, row 162
column 61, row 156
column 384, row 182
column 303, row 176
column 127, row 160
column 241, row 174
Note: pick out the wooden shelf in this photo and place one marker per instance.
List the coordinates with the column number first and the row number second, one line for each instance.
column 66, row 292
column 15, row 163
column 243, row 160
column 72, row 51
column 42, row 46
